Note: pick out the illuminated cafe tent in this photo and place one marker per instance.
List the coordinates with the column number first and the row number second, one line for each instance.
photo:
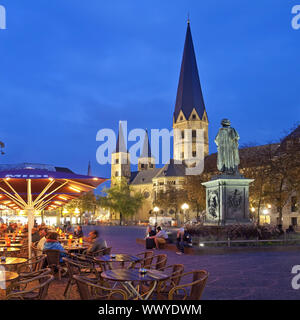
column 36, row 187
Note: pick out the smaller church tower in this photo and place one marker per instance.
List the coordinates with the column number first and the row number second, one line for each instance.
column 146, row 161
column 120, row 164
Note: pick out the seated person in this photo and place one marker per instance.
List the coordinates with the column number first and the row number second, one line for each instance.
column 160, row 237
column 183, row 239
column 96, row 243
column 53, row 244
column 78, row 232
column 35, row 235
column 290, row 229
column 150, row 231
column 40, row 246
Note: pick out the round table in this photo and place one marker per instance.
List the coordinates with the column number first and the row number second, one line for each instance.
column 8, row 249
column 12, row 261
column 121, row 258
column 128, row 276
column 11, row 245
column 75, row 248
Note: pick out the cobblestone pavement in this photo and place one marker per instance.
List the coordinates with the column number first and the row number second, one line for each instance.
column 249, row 275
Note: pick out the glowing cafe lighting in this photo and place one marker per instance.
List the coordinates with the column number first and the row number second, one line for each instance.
column 51, row 179
column 75, row 189
column 185, row 206
column 65, row 210
column 269, row 206
column 57, row 202
column 155, row 209
column 77, row 210
column 96, row 179
column 62, row 198
column 265, row 211
column 252, row 209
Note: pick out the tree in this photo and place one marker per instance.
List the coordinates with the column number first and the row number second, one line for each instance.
column 86, row 202
column 196, row 193
column 171, row 198
column 256, row 164
column 284, row 177
column 120, row 198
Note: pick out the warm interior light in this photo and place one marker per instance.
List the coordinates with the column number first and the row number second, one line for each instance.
column 51, row 179
column 77, row 210
column 7, row 179
column 95, row 179
column 62, row 198
column 75, row 189
column 57, row 202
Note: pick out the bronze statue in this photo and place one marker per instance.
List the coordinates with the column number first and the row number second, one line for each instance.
column 228, row 152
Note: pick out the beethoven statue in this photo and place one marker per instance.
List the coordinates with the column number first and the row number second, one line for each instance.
column 228, row 152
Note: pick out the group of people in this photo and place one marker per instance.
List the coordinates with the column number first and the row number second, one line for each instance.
column 155, row 236
column 49, row 241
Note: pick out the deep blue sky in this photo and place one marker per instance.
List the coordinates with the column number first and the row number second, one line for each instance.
column 69, row 68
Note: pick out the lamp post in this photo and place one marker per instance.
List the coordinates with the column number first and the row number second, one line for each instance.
column 156, row 210
column 265, row 212
column 184, row 207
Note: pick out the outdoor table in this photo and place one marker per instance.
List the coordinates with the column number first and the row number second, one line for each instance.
column 12, row 262
column 121, row 258
column 74, row 248
column 128, row 276
column 18, row 245
column 8, row 249
column 7, row 276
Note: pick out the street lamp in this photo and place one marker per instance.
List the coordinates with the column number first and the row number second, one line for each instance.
column 156, row 210
column 184, row 207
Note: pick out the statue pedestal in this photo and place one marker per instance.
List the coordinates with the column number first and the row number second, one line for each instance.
column 227, row 200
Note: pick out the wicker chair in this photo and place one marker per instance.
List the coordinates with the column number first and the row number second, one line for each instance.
column 146, row 259
column 101, row 252
column 31, row 266
column 175, row 271
column 89, row 289
column 22, row 290
column 192, row 290
column 158, row 262
column 53, row 257
column 23, row 253
column 79, row 267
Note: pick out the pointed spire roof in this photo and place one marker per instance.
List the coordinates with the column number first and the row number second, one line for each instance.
column 121, row 145
column 189, row 93
column 146, row 152
column 89, row 169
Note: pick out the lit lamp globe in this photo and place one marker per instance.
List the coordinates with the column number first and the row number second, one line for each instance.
column 185, row 206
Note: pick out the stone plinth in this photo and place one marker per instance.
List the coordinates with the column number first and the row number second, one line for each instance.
column 227, row 200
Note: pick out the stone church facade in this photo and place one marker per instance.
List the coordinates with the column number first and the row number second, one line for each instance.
column 189, row 113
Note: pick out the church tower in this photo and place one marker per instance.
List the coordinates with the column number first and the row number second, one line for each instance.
column 120, row 162
column 190, row 112
column 146, row 161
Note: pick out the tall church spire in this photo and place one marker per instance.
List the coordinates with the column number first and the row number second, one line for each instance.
column 89, row 169
column 121, row 145
column 189, row 93
column 146, row 152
